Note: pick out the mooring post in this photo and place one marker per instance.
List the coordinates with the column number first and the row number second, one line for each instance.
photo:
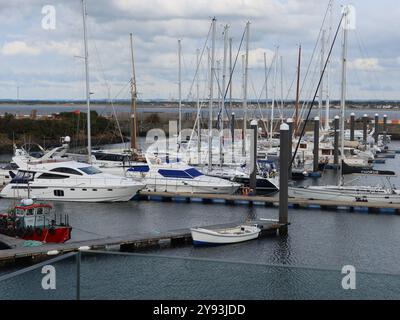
column 336, row 144
column 290, row 123
column 284, row 178
column 253, row 173
column 352, row 126
column 233, row 136
column 376, row 133
column 365, row 129
column 316, row 144
column 385, row 117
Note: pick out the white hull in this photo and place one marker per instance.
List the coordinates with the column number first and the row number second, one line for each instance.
column 186, row 186
column 351, row 194
column 72, row 193
column 203, row 236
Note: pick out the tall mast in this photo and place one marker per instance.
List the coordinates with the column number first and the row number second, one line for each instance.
column 266, row 79
column 246, row 75
column 89, row 133
column 343, row 91
column 321, row 87
column 328, row 71
column 210, row 120
column 180, row 88
column 198, row 108
column 134, row 145
column 281, row 60
column 230, row 73
column 224, row 63
column 296, row 123
column 274, row 96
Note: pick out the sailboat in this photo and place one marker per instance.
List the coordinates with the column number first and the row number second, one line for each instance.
column 340, row 191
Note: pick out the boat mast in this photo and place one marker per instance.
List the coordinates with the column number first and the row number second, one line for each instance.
column 89, row 133
column 246, row 74
column 321, row 87
column 266, row 82
column 180, row 89
column 134, row 145
column 210, row 120
column 274, row 96
column 343, row 90
column 328, row 72
column 224, row 63
column 198, row 108
column 296, row 123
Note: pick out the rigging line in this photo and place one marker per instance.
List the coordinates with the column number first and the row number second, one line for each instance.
column 373, row 76
column 316, row 46
column 233, row 69
column 108, row 88
column 200, row 59
column 317, row 89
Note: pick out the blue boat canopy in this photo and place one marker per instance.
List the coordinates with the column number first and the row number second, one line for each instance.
column 180, row 174
column 144, row 168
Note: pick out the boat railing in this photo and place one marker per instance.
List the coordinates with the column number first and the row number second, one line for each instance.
column 86, row 274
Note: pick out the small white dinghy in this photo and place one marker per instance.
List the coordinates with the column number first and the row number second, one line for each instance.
column 224, row 236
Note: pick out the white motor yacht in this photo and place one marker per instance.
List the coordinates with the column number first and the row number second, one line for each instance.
column 67, row 180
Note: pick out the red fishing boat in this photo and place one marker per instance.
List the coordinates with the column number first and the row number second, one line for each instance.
column 33, row 221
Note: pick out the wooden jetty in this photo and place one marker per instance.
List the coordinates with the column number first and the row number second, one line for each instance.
column 295, row 203
column 123, row 243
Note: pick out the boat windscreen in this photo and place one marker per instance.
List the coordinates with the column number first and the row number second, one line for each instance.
column 179, row 174
column 193, row 172
column 90, row 170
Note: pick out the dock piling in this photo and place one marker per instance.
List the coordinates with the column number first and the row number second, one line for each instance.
column 253, row 148
column 385, row 117
column 290, row 123
column 376, row 133
column 284, row 178
column 316, row 144
column 336, row 143
column 365, row 129
column 352, row 126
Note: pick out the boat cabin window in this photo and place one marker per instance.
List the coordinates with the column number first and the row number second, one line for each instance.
column 90, row 170
column 23, row 177
column 194, row 172
column 59, row 193
column 303, row 146
column 67, row 170
column 326, row 152
column 51, row 176
column 187, row 174
column 179, row 174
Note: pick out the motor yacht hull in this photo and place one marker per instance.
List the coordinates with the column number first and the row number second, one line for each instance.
column 72, row 193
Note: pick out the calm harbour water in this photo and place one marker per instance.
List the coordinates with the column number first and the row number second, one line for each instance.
column 317, row 240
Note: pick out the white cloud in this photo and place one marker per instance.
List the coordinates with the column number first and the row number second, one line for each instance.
column 367, row 64
column 19, row 48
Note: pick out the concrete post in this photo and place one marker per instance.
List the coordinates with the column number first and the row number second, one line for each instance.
column 385, row 117
column 290, row 123
column 352, row 126
column 316, row 144
column 233, row 136
column 253, row 173
column 365, row 129
column 284, row 176
column 376, row 134
column 336, row 144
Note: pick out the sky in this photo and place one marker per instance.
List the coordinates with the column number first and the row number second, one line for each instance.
column 41, row 57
